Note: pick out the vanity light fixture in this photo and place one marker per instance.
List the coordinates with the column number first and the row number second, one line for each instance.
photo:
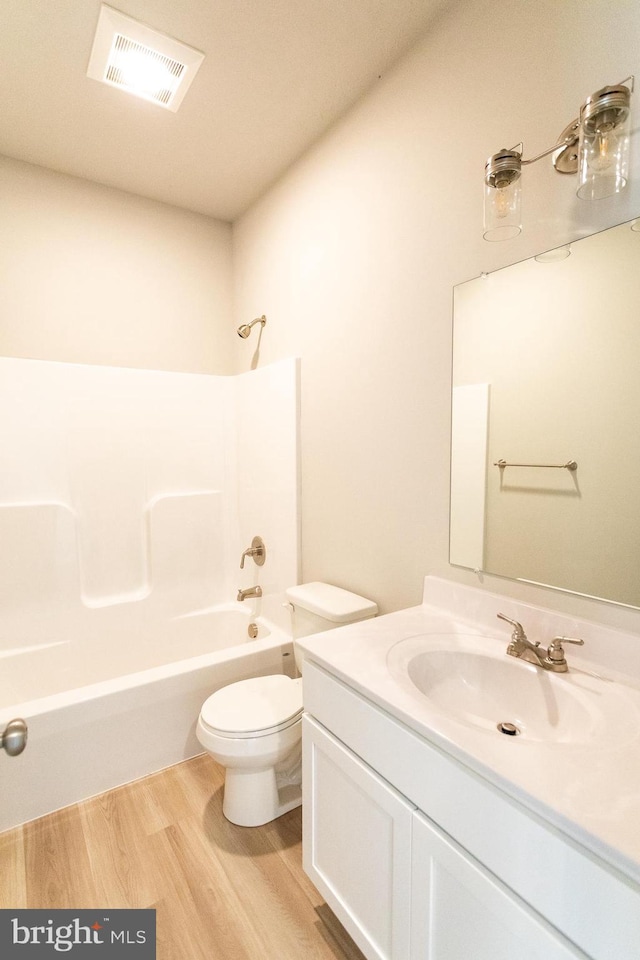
column 595, row 146
column 136, row 58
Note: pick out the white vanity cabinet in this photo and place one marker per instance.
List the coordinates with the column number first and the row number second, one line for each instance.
column 461, row 911
column 357, row 846
column 421, row 859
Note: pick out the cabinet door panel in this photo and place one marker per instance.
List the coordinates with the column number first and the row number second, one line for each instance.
column 357, row 844
column 459, row 910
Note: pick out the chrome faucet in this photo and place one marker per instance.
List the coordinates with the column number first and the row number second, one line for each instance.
column 249, row 592
column 522, row 648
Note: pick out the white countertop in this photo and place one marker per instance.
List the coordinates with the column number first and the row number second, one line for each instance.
column 590, row 789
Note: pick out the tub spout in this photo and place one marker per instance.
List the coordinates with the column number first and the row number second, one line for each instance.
column 249, row 592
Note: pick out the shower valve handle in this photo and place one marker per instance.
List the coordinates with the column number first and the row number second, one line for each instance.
column 257, row 550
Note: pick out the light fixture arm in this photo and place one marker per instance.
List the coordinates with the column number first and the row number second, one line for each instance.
column 563, row 142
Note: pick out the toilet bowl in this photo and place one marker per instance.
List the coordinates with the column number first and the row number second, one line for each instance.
column 253, row 727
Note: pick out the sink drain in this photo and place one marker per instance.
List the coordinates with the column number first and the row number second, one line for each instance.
column 509, row 729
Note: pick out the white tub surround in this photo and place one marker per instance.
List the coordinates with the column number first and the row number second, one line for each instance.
column 121, row 485
column 540, row 828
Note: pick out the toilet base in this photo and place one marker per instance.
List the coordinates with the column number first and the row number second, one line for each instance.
column 255, row 797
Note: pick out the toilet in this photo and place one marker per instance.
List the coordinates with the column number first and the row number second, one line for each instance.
column 253, row 727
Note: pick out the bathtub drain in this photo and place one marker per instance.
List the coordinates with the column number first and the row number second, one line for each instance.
column 509, row 729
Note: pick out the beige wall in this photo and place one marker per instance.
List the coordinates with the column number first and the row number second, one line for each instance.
column 354, row 253
column 92, row 275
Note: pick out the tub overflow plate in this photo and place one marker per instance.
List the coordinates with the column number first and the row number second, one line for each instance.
column 509, row 729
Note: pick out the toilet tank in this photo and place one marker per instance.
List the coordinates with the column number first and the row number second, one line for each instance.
column 321, row 606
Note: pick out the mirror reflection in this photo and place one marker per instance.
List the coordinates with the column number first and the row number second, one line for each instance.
column 546, row 363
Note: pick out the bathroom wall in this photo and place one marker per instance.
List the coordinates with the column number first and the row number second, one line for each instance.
column 94, row 275
column 127, row 496
column 354, row 253
column 267, row 483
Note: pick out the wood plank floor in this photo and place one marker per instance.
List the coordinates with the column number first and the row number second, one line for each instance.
column 221, row 892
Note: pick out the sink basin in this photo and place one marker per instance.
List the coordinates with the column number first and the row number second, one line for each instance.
column 473, row 681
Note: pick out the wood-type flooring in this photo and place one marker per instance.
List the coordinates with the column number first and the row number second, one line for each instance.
column 221, row 892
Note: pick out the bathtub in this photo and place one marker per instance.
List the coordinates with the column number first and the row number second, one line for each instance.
column 121, row 701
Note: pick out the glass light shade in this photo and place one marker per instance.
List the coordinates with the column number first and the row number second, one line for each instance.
column 502, row 218
column 603, row 160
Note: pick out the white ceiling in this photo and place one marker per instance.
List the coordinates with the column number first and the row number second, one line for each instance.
column 276, row 75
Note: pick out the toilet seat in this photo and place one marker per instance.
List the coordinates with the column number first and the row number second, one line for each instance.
column 253, row 708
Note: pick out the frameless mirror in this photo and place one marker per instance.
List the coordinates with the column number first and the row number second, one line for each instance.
column 545, row 456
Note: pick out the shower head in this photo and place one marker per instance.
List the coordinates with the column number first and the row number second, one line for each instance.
column 245, row 329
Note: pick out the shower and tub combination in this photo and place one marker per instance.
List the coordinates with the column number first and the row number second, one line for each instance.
column 125, row 506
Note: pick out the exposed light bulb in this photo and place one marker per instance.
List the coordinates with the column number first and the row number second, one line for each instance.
column 604, row 150
column 502, row 204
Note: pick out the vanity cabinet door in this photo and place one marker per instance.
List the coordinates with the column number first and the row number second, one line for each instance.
column 356, row 844
column 460, row 911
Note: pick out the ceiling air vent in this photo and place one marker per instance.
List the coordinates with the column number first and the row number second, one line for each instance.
column 131, row 63
column 132, row 56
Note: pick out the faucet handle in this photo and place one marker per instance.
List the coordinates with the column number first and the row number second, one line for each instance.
column 555, row 652
column 257, row 550
column 518, row 629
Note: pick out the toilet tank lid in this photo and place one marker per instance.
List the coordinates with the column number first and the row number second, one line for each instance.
column 332, row 603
